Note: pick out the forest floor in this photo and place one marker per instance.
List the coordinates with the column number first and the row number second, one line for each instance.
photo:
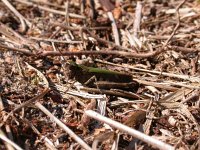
column 91, row 74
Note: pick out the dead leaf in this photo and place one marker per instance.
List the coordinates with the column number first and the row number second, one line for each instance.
column 117, row 13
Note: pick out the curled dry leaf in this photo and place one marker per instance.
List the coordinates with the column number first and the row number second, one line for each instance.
column 117, row 13
column 136, row 118
column 85, row 120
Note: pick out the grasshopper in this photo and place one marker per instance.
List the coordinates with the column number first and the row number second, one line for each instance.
column 105, row 79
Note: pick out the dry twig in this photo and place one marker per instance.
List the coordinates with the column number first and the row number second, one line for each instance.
column 22, row 19
column 4, row 138
column 32, row 100
column 64, row 127
column 131, row 131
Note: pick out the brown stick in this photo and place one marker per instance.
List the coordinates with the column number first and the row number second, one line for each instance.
column 67, row 53
column 118, row 53
column 103, row 52
column 7, row 48
column 32, row 100
column 112, row 92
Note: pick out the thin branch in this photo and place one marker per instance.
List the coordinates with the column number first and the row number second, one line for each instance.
column 102, row 52
column 16, row 38
column 56, row 41
column 64, row 127
column 21, row 18
column 119, row 93
column 32, row 100
column 184, row 77
column 130, row 131
column 157, row 85
column 4, row 138
column 21, row 50
column 47, row 141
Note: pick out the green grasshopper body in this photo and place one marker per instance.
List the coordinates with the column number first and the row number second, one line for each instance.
column 105, row 77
